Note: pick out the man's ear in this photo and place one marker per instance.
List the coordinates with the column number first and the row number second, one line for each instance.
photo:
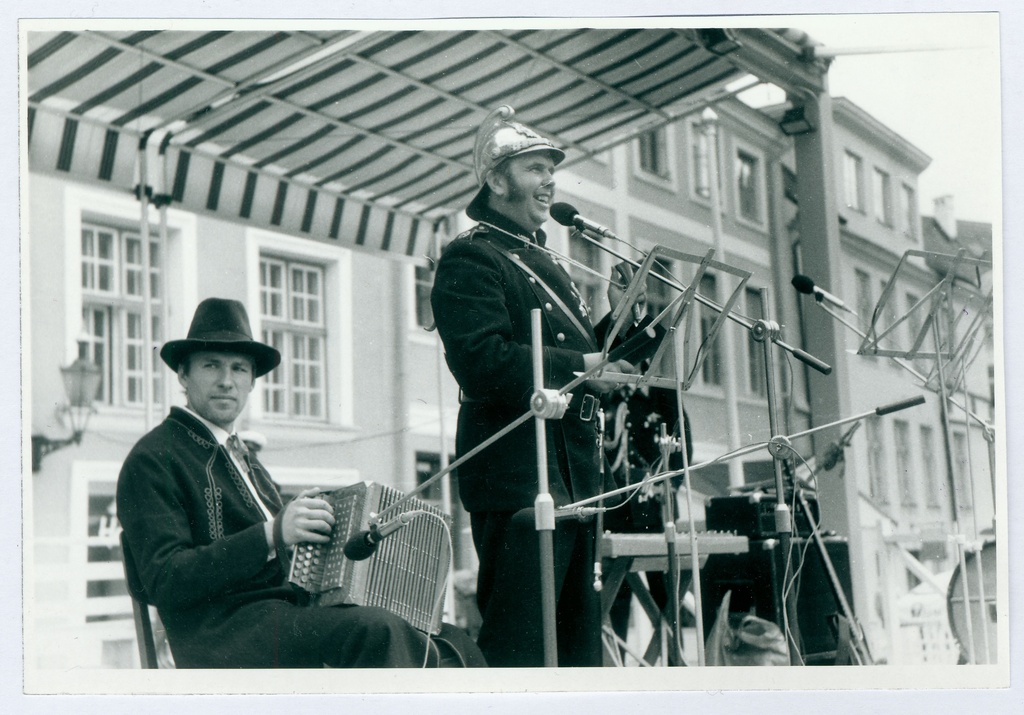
column 181, row 373
column 498, row 183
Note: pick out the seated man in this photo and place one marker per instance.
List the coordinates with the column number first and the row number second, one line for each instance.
column 209, row 534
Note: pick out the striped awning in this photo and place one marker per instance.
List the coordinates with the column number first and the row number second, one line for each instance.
column 358, row 137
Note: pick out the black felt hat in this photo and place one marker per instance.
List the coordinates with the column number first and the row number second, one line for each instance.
column 221, row 325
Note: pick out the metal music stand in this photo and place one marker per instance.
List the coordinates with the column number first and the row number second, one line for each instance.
column 762, row 330
column 952, row 338
column 671, row 319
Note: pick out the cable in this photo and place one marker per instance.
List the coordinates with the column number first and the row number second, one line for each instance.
column 439, row 601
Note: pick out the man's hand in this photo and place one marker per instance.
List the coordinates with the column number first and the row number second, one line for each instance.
column 622, row 274
column 307, row 518
column 590, row 361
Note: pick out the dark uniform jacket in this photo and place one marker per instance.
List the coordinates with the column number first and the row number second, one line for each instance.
column 482, row 302
column 199, row 546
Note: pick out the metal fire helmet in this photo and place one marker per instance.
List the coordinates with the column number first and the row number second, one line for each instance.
column 497, row 139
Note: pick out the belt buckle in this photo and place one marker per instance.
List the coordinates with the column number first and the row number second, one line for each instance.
column 588, row 407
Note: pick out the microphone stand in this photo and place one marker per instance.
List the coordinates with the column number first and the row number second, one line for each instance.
column 544, row 514
column 669, row 519
column 763, row 332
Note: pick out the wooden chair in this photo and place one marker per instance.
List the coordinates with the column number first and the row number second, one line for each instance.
column 140, row 610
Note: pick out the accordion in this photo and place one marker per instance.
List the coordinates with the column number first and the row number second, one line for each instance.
column 405, row 575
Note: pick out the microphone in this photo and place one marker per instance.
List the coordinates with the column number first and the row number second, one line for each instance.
column 803, row 284
column 567, row 215
column 901, row 405
column 362, row 545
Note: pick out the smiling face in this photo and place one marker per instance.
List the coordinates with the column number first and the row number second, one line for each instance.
column 523, row 187
column 217, row 385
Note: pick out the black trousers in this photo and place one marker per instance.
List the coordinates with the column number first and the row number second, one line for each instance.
column 509, row 591
column 295, row 636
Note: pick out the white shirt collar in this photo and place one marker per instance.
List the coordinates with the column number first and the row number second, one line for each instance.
column 219, row 433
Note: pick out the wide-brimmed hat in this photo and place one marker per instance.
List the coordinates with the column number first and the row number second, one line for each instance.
column 221, row 325
column 498, row 139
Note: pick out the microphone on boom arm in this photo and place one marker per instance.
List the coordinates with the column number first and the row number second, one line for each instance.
column 567, row 215
column 362, row 545
column 804, row 284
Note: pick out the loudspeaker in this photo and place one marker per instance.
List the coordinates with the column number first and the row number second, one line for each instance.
column 756, row 581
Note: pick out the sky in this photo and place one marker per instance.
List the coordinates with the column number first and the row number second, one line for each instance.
column 945, row 100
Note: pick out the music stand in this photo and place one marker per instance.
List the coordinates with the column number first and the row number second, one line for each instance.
column 952, row 338
column 673, row 315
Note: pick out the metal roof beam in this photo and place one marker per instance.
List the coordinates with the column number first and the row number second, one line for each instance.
column 604, row 86
column 319, row 116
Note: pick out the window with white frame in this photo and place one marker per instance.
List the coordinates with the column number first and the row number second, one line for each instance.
column 660, row 295
column 929, row 471
column 427, row 465
column 877, row 466
column 292, row 313
column 881, row 196
column 904, row 463
column 711, row 369
column 424, row 283
column 748, row 186
column 962, row 471
column 865, row 299
column 589, row 284
column 113, row 310
column 700, row 160
column 653, row 152
column 914, row 326
column 908, row 211
column 853, row 181
column 757, row 383
column 888, row 315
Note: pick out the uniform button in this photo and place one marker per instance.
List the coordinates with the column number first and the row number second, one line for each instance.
column 548, row 307
column 561, row 337
column 532, row 279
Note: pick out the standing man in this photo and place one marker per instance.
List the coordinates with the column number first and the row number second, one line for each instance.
column 488, row 280
column 209, row 536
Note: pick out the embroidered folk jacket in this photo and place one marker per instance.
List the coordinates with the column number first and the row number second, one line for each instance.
column 199, row 544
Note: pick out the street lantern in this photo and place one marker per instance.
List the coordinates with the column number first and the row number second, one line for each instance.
column 81, row 383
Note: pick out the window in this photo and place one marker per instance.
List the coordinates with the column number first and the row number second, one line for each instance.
column 291, row 307
column 962, row 471
column 427, row 465
column 853, row 181
column 589, row 284
column 887, row 316
column 908, row 211
column 904, row 463
column 113, row 313
column 700, row 158
column 653, row 149
column 865, row 301
column 660, row 295
column 877, row 461
column 424, row 278
column 757, row 382
column 881, row 189
column 711, row 370
column 748, row 186
column 914, row 325
column 928, row 468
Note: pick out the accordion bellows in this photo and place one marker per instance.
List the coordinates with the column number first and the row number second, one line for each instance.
column 407, row 573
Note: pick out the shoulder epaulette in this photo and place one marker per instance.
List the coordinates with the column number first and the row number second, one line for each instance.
column 479, row 229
